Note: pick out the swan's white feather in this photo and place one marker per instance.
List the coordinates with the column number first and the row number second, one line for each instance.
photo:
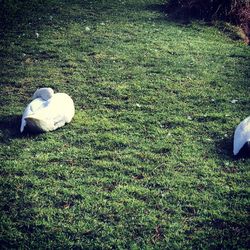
column 241, row 135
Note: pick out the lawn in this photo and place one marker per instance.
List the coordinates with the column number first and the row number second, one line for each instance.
column 147, row 161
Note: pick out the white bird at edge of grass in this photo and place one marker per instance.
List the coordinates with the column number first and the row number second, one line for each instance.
column 242, row 137
column 47, row 111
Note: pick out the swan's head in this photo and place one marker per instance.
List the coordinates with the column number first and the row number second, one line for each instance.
column 44, row 93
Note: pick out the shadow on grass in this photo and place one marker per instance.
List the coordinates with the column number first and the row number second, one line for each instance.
column 10, row 128
column 225, row 150
column 225, row 147
column 225, row 231
column 186, row 17
column 171, row 15
column 156, row 7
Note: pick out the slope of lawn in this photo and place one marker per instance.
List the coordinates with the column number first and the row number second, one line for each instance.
column 147, row 161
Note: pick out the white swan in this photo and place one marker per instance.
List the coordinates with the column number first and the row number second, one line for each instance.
column 242, row 136
column 47, row 111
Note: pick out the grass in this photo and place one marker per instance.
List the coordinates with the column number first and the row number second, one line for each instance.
column 147, row 161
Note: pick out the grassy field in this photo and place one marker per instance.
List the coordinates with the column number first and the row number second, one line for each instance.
column 147, row 161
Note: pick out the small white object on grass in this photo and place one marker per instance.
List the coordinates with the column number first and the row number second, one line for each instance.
column 87, row 29
column 234, row 101
column 47, row 111
column 242, row 136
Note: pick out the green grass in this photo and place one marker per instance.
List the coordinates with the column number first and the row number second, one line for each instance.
column 147, row 161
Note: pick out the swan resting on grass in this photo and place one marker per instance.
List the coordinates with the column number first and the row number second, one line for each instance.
column 242, row 138
column 47, row 111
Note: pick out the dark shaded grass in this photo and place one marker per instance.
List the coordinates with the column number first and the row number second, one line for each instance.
column 236, row 12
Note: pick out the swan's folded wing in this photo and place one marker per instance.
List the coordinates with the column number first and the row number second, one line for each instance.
column 62, row 104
